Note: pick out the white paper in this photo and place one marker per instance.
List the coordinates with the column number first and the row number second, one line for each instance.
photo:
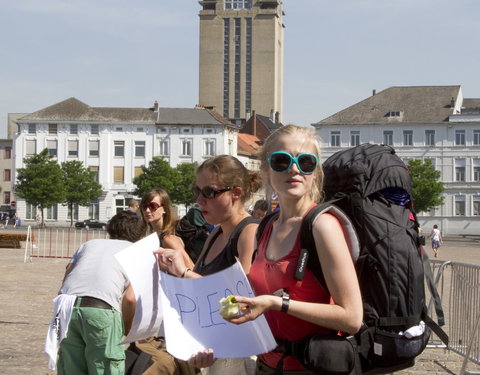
column 141, row 267
column 193, row 323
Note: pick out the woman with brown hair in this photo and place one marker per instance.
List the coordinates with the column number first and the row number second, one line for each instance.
column 157, row 211
column 223, row 185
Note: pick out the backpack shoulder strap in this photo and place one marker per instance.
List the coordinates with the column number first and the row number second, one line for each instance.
column 261, row 228
column 232, row 242
column 308, row 254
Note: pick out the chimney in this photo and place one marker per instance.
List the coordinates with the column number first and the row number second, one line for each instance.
column 452, row 102
column 155, row 106
column 272, row 112
column 254, row 125
column 374, row 92
column 277, row 117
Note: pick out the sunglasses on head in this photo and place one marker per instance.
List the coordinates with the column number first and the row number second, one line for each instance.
column 208, row 192
column 282, row 161
column 153, row 206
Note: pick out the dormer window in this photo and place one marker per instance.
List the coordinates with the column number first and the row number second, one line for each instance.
column 394, row 114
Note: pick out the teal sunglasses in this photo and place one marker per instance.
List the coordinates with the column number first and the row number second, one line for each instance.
column 282, row 161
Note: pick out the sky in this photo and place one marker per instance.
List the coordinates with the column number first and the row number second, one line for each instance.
column 125, row 53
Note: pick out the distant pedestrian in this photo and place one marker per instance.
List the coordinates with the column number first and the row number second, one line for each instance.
column 260, row 209
column 437, row 239
column 133, row 205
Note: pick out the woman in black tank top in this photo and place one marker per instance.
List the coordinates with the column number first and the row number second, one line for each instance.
column 223, row 185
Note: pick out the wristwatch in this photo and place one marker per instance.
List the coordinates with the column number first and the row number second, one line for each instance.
column 285, row 302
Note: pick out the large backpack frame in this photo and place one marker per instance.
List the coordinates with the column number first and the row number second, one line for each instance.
column 391, row 266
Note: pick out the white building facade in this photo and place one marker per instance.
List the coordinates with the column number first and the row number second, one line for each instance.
column 429, row 122
column 115, row 143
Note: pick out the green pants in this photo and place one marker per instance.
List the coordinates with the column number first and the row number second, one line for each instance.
column 92, row 345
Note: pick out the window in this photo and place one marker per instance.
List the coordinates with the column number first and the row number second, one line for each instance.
column 408, row 138
column 32, row 129
column 238, row 4
column 95, row 169
column 209, row 147
column 430, row 137
column 120, row 204
column 236, row 84
column 30, row 147
column 354, row 138
column 388, row 138
column 459, row 205
column 6, row 197
column 140, row 149
column 119, row 129
column 52, row 212
column 73, row 129
column 73, row 149
column 74, row 208
column 186, row 147
column 476, row 137
column 476, row 206
column 52, row 129
column 248, row 64
column 8, row 153
column 476, row 174
column 139, row 130
column 93, row 129
column 460, row 137
column 30, row 212
column 94, row 210
column 394, row 114
column 164, row 149
column 335, row 139
column 7, row 175
column 93, row 148
column 459, row 170
column 119, row 149
column 118, row 175
column 226, row 66
column 137, row 171
column 459, row 174
column 52, row 147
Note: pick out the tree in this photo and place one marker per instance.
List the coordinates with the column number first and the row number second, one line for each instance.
column 80, row 185
column 426, row 187
column 40, row 183
column 183, row 191
column 158, row 174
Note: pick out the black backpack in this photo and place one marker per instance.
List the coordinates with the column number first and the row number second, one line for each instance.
column 193, row 236
column 391, row 266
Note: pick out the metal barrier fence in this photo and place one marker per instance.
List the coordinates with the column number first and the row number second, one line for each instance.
column 459, row 287
column 457, row 283
column 60, row 242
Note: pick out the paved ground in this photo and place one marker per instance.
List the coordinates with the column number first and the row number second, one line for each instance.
column 28, row 288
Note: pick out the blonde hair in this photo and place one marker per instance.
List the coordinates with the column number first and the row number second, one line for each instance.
column 270, row 146
column 168, row 223
column 228, row 171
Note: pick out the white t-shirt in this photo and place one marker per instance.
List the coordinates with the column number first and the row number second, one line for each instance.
column 97, row 273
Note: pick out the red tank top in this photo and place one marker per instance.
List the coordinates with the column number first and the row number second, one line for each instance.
column 267, row 277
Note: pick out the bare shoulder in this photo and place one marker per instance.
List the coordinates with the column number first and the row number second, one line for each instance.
column 173, row 242
column 326, row 223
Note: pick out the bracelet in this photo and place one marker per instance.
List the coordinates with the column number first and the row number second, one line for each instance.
column 185, row 272
column 285, row 302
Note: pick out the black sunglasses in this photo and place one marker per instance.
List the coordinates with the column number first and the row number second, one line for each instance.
column 208, row 192
column 281, row 161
